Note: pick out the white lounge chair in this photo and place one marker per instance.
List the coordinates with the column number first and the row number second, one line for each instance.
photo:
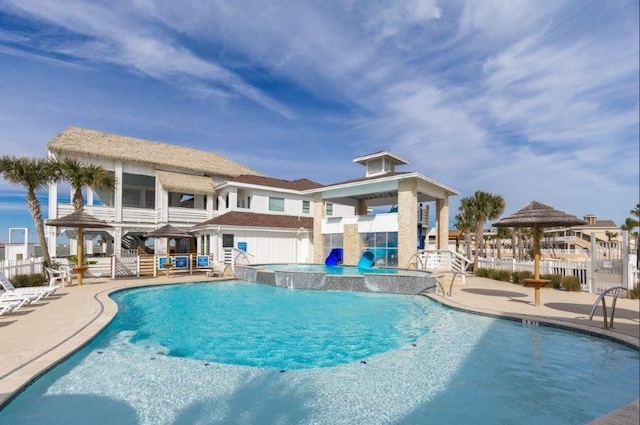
column 9, row 306
column 41, row 291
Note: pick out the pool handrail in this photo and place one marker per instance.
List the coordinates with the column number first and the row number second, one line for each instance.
column 616, row 291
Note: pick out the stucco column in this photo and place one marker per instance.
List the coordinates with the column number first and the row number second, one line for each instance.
column 318, row 240
column 361, row 207
column 442, row 232
column 352, row 245
column 407, row 220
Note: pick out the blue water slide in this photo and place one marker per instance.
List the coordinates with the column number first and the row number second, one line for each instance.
column 334, row 258
column 369, row 257
column 367, row 260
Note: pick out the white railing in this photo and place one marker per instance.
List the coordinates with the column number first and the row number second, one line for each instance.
column 444, row 260
column 99, row 212
column 187, row 215
column 12, row 268
column 138, row 215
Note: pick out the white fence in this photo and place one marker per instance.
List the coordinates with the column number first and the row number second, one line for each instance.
column 12, row 268
column 585, row 271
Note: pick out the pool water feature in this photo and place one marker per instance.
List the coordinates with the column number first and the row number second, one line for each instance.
column 445, row 366
column 339, row 278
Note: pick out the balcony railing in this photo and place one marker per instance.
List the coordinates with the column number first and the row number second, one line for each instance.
column 99, row 212
column 187, row 215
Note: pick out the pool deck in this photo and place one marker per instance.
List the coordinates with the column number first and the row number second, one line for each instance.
column 35, row 338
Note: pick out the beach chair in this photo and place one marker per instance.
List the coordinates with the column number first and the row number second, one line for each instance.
column 39, row 291
column 10, row 303
column 9, row 306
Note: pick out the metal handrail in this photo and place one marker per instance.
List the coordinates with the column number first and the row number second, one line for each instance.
column 616, row 290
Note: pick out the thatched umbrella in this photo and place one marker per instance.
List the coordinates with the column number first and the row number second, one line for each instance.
column 80, row 220
column 170, row 232
column 538, row 215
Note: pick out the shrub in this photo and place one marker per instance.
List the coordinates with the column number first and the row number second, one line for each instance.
column 483, row 272
column 519, row 277
column 571, row 283
column 633, row 293
column 556, row 280
column 501, row 275
column 24, row 280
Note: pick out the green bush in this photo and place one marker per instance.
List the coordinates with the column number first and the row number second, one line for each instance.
column 24, row 280
column 556, row 280
column 571, row 283
column 483, row 272
column 633, row 293
column 501, row 275
column 519, row 277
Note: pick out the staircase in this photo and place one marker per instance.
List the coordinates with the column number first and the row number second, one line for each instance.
column 133, row 240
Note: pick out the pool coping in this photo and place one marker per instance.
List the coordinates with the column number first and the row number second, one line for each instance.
column 16, row 380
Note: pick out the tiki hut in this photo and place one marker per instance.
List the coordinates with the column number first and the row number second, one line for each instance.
column 80, row 220
column 537, row 216
column 169, row 232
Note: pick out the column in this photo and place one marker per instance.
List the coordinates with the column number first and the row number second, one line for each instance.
column 407, row 220
column 442, row 232
column 318, row 239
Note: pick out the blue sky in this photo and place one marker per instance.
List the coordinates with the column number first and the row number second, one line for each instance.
column 531, row 100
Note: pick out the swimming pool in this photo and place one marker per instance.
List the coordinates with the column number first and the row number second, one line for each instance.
column 438, row 365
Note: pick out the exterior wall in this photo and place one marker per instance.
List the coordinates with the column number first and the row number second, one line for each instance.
column 267, row 246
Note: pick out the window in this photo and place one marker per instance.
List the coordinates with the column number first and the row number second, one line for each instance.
column 276, row 204
column 306, row 207
column 329, row 209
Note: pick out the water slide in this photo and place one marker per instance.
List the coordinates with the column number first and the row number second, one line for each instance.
column 369, row 258
column 335, row 257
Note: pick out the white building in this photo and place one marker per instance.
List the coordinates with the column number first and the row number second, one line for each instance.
column 225, row 203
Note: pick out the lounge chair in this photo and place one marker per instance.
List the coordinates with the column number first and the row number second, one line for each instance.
column 41, row 291
column 9, row 306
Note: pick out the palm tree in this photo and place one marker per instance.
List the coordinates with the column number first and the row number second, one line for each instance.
column 34, row 174
column 629, row 225
column 501, row 234
column 80, row 175
column 482, row 206
column 464, row 222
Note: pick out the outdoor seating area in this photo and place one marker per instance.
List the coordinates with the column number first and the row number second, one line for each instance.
column 12, row 298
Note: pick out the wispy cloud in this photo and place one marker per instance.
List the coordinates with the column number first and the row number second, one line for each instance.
column 489, row 95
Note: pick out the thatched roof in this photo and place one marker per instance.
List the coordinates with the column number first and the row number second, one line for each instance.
column 168, row 231
column 186, row 183
column 81, row 141
column 537, row 214
column 78, row 219
column 246, row 219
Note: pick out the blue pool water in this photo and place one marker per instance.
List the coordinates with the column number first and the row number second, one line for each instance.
column 232, row 353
